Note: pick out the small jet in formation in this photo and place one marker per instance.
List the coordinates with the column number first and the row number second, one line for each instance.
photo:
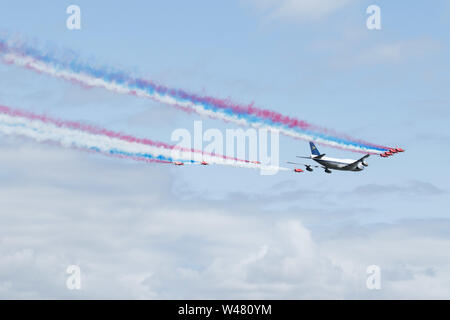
column 391, row 151
column 180, row 163
column 329, row 164
column 204, row 163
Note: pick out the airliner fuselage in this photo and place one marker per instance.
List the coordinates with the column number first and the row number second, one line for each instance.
column 339, row 164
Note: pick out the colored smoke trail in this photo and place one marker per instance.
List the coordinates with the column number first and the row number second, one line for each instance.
column 121, row 82
column 88, row 138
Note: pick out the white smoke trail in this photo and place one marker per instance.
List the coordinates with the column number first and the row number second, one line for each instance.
column 42, row 131
column 88, row 80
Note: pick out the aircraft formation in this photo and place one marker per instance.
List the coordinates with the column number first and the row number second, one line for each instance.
column 329, row 164
column 326, row 163
column 84, row 137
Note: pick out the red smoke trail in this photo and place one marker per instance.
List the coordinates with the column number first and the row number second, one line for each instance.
column 101, row 131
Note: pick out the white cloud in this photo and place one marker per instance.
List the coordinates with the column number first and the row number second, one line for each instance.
column 299, row 9
column 400, row 51
column 134, row 238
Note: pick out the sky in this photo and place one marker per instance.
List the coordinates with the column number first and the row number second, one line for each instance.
column 151, row 231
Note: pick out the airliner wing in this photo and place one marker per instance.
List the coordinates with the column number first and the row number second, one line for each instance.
column 353, row 165
column 302, row 164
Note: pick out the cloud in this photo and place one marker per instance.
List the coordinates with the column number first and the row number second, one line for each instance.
column 299, row 10
column 396, row 52
column 356, row 48
column 134, row 237
column 414, row 188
